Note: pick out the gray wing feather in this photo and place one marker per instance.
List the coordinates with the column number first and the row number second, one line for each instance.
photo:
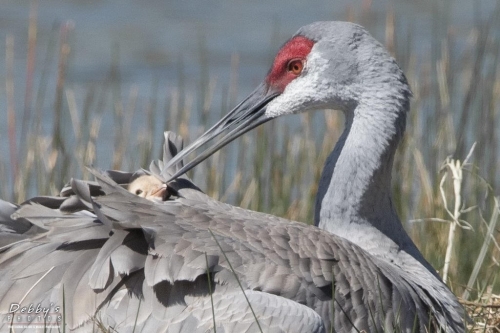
column 115, row 257
column 12, row 230
column 135, row 265
column 253, row 252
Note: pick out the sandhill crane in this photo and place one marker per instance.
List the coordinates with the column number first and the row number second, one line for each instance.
column 186, row 263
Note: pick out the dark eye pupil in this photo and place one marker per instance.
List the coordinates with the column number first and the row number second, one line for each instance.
column 295, row 66
column 138, row 192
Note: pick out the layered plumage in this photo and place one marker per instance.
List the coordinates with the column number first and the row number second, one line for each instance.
column 106, row 256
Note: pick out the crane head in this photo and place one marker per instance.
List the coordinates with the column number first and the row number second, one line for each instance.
column 325, row 65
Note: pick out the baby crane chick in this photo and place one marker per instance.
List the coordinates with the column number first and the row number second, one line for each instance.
column 149, row 187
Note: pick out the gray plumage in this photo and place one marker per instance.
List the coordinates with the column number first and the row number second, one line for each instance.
column 130, row 258
column 139, row 265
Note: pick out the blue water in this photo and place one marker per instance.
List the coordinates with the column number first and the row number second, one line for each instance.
column 155, row 37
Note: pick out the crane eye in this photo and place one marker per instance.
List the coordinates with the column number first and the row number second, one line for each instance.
column 295, row 66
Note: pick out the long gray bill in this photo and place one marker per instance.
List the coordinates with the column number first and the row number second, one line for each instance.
column 244, row 117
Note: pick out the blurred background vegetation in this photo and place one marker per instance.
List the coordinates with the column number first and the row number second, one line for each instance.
column 96, row 83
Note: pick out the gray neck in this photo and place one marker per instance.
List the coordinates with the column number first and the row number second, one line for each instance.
column 354, row 196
